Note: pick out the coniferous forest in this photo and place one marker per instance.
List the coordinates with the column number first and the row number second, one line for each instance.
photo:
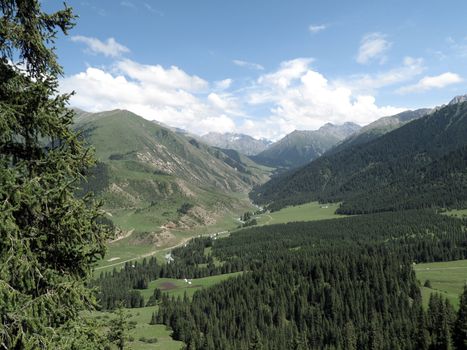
column 332, row 284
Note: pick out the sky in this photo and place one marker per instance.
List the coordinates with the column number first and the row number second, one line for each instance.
column 263, row 67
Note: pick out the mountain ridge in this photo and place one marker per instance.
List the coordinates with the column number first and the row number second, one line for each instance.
column 395, row 156
column 302, row 146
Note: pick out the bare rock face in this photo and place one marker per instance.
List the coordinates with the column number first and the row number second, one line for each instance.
column 458, row 99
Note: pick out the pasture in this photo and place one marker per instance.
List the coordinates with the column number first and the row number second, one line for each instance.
column 447, row 278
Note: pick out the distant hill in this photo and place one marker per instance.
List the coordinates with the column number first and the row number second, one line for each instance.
column 417, row 165
column 380, row 127
column 302, row 146
column 243, row 143
column 147, row 170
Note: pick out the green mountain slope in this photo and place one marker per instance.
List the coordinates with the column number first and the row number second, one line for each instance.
column 379, row 127
column 302, row 146
column 151, row 176
column 416, row 156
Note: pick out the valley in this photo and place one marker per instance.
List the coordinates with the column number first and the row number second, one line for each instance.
column 251, row 176
column 199, row 246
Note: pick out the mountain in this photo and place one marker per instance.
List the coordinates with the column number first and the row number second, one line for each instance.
column 380, row 127
column 458, row 99
column 302, row 146
column 149, row 174
column 243, row 143
column 420, row 164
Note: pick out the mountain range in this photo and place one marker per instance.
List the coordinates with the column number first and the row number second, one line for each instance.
column 240, row 142
column 302, row 146
column 419, row 164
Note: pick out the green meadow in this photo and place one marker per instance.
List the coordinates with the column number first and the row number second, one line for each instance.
column 305, row 212
column 178, row 287
column 447, row 278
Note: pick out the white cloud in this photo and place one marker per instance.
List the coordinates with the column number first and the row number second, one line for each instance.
column 295, row 96
column 168, row 95
column 220, row 124
column 373, row 46
column 246, row 64
column 432, row 82
column 287, row 73
column 223, row 84
column 302, row 98
column 128, row 4
column 110, row 48
column 316, row 28
column 172, row 78
column 368, row 83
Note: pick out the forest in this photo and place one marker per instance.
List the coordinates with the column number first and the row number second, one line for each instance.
column 330, row 284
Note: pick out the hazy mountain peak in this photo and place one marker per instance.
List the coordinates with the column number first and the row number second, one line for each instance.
column 458, row 99
column 242, row 143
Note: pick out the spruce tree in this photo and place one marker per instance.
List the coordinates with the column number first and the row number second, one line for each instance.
column 460, row 327
column 49, row 238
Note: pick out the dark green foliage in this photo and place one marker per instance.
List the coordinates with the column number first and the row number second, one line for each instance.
column 440, row 321
column 49, row 239
column 96, row 181
column 119, row 287
column 155, row 297
column 460, row 327
column 337, row 284
column 419, row 165
column 185, row 208
column 119, row 328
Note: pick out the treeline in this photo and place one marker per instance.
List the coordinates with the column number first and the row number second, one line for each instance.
column 334, row 284
column 121, row 287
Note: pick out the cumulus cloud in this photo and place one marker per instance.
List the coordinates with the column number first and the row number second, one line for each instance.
column 316, row 28
column 168, row 95
column 302, row 98
column 110, row 48
column 249, row 65
column 294, row 96
column 373, row 46
column 171, row 78
column 432, row 82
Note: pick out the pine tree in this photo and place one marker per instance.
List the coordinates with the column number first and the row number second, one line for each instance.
column 255, row 343
column 119, row 328
column 422, row 336
column 350, row 336
column 49, row 239
column 460, row 327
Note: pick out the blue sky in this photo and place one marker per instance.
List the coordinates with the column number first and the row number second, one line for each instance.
column 263, row 67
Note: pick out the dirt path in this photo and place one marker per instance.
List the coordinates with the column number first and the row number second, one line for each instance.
column 146, row 255
column 128, row 234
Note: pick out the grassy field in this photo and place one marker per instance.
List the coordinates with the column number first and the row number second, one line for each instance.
column 142, row 316
column 447, row 278
column 305, row 212
column 143, row 329
column 461, row 213
column 177, row 288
